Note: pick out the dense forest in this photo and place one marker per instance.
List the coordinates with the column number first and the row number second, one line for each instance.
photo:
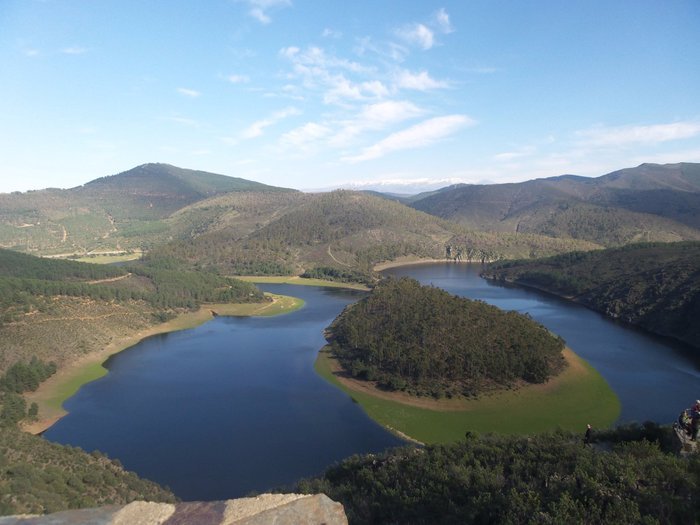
column 655, row 286
column 552, row 478
column 423, row 340
column 40, row 477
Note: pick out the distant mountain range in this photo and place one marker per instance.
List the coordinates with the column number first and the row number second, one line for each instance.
column 240, row 225
column 649, row 203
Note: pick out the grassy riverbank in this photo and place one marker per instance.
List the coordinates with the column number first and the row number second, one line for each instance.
column 67, row 381
column 579, row 395
column 302, row 281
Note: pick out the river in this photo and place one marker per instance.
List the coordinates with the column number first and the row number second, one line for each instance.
column 234, row 405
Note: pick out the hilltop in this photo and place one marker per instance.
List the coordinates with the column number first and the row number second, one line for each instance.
column 649, row 203
column 115, row 213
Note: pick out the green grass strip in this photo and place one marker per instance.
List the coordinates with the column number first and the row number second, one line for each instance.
column 579, row 397
column 301, row 281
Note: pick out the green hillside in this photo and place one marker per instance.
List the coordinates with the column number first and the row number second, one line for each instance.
column 648, row 203
column 655, row 286
column 342, row 229
column 122, row 212
column 59, row 310
column 38, row 477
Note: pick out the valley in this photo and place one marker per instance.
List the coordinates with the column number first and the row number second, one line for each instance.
column 193, row 248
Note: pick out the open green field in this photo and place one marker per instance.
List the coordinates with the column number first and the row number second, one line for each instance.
column 295, row 279
column 578, row 396
column 110, row 258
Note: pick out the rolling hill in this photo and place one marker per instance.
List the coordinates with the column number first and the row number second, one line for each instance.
column 341, row 229
column 648, row 203
column 118, row 212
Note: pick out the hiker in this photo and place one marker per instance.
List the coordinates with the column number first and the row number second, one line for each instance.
column 695, row 424
column 587, row 435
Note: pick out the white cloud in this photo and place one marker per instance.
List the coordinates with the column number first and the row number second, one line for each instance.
column 304, row 136
column 417, row 34
column 629, row 135
column 257, row 128
column 31, row 52
column 188, row 92
column 375, row 117
column 184, row 121
column 238, row 79
column 417, row 136
column 259, row 8
column 74, row 50
column 420, row 81
column 516, row 154
column 442, row 20
column 331, row 33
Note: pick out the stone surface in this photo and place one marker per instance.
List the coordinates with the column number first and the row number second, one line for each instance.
column 266, row 509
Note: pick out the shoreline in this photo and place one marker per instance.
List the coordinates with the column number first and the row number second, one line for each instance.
column 577, row 396
column 66, row 382
column 574, row 366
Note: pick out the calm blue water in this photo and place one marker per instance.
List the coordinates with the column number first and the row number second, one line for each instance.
column 230, row 407
column 653, row 377
column 235, row 406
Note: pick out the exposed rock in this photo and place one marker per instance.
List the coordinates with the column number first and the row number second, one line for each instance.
column 277, row 509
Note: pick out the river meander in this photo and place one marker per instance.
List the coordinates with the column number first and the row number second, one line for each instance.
column 235, row 406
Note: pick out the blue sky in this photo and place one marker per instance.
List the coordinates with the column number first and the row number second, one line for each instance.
column 395, row 95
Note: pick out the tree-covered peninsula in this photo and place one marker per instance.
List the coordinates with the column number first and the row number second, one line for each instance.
column 424, row 341
column 655, row 286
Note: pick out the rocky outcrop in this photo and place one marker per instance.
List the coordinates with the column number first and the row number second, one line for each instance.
column 278, row 509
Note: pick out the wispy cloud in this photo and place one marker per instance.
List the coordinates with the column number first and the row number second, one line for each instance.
column 442, row 21
column 319, row 70
column 238, row 79
column 30, row 52
column 188, row 92
column 74, row 50
column 305, row 136
column 184, row 121
column 417, row 34
column 257, row 128
column 331, row 33
column 420, row 81
column 375, row 117
column 632, row 135
column 259, row 9
column 417, row 136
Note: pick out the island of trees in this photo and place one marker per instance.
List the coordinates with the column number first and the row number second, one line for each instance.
column 424, row 341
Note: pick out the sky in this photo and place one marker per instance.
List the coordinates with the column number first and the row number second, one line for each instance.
column 402, row 95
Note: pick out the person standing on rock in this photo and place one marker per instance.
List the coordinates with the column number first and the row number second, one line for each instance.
column 587, row 436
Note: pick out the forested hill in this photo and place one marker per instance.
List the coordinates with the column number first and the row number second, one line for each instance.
column 58, row 310
column 343, row 230
column 649, row 203
column 425, row 341
column 655, row 286
column 157, row 190
column 114, row 213
column 38, row 477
